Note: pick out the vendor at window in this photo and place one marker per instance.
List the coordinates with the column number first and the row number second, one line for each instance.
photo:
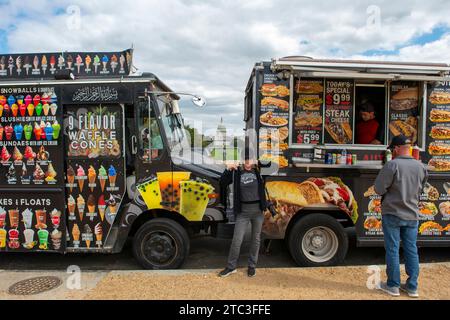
column 368, row 129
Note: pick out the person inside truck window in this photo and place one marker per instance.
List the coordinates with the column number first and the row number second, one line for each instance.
column 368, row 129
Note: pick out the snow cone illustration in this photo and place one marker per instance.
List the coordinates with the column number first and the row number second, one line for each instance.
column 194, row 198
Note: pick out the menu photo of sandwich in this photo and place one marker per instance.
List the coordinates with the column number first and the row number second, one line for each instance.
column 438, row 115
column 306, row 86
column 405, row 99
column 430, row 192
column 308, row 119
column 430, row 228
column 274, row 134
column 372, row 224
column 275, row 102
column 274, row 145
column 444, row 209
column 269, row 119
column 273, row 90
column 427, row 209
column 278, row 159
column 439, row 149
column 440, row 132
column 437, row 164
column 310, row 102
column 403, row 127
column 439, row 97
column 340, row 132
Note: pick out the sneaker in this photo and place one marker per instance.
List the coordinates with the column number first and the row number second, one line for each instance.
column 393, row 291
column 226, row 272
column 251, row 272
column 411, row 293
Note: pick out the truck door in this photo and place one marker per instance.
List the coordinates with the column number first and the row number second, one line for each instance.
column 32, row 216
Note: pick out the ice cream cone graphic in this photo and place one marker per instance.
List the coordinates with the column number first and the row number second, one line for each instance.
column 91, row 208
column 92, row 175
column 101, row 207
column 112, row 175
column 81, row 204
column 71, row 205
column 76, row 233
column 81, row 184
column 88, row 243
column 102, row 182
column 98, row 230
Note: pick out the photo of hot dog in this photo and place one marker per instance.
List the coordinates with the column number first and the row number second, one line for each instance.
column 437, row 115
column 401, row 127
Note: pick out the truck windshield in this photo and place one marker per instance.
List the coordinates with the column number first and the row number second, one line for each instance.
column 173, row 124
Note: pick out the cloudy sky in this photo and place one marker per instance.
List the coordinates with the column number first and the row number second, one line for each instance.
column 210, row 47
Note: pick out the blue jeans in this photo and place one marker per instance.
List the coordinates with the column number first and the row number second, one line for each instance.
column 396, row 229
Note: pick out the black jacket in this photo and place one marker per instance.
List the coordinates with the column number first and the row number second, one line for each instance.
column 234, row 176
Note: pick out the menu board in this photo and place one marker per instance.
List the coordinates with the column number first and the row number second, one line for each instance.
column 95, row 182
column 434, row 210
column 30, row 138
column 404, row 110
column 438, row 126
column 46, row 65
column 339, row 99
column 308, row 111
column 33, row 222
column 274, row 119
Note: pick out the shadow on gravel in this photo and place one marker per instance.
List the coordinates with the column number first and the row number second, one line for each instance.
column 206, row 253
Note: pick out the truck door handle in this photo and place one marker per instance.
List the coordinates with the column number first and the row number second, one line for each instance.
column 133, row 144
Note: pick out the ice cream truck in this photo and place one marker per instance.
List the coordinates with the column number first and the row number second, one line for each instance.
column 86, row 160
column 327, row 124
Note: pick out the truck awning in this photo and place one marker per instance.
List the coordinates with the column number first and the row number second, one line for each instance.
column 383, row 70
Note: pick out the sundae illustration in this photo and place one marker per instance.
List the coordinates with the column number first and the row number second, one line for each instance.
column 55, row 216
column 43, row 155
column 56, row 236
column 29, row 154
column 112, row 205
column 24, row 176
column 96, row 63
column 38, row 174
column 11, row 175
column 13, row 235
column 53, row 108
column 50, row 174
column 88, row 61
column 17, row 156
column 69, row 61
column 78, row 63
column 35, row 63
column 5, row 155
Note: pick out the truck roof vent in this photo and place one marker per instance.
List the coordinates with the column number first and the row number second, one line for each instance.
column 298, row 58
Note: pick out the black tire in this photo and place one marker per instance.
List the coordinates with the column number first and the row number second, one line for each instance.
column 161, row 244
column 317, row 224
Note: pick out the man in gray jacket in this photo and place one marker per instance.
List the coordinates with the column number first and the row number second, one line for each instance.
column 400, row 184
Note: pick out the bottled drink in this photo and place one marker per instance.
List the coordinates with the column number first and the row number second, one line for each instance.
column 388, row 155
column 416, row 152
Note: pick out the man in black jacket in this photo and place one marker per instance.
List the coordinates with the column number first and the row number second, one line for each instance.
column 249, row 201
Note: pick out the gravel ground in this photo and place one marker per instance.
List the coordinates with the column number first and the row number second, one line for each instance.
column 347, row 283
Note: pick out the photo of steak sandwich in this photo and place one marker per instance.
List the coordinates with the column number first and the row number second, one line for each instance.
column 340, row 132
column 270, row 101
column 308, row 119
column 440, row 97
column 439, row 149
column 372, row 223
column 401, row 127
column 269, row 90
column 303, row 86
column 310, row 103
column 430, row 192
column 437, row 115
column 440, row 132
column 405, row 99
column 439, row 164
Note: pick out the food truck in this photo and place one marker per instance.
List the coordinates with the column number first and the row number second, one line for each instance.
column 307, row 115
column 86, row 160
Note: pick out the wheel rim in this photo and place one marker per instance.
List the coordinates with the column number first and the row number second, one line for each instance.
column 320, row 244
column 159, row 248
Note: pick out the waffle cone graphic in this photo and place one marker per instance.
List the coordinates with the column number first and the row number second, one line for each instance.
column 112, row 181
column 91, row 208
column 88, row 243
column 101, row 211
column 81, row 212
column 92, row 180
column 81, row 184
column 72, row 208
column 102, row 182
column 70, row 180
column 112, row 209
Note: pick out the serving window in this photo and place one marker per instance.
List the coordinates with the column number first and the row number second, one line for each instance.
column 355, row 113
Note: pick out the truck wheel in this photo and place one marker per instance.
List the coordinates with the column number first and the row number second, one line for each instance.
column 161, row 244
column 317, row 240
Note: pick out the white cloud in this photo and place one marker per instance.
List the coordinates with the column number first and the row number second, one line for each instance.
column 210, row 47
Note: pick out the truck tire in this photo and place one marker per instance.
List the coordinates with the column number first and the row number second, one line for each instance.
column 317, row 240
column 161, row 244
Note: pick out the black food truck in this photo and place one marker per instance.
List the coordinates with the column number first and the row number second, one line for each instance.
column 86, row 160
column 327, row 124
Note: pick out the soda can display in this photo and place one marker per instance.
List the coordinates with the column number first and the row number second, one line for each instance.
column 334, row 158
column 349, row 159
column 354, row 158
